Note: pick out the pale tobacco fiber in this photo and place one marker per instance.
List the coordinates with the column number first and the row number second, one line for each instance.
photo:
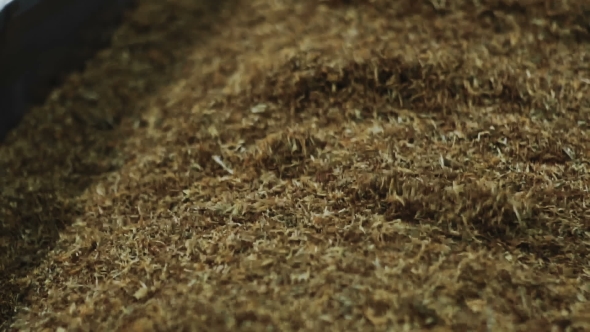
column 309, row 165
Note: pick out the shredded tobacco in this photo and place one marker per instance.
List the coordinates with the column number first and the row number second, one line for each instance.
column 309, row 165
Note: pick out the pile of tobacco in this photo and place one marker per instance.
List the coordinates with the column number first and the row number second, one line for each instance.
column 309, row 166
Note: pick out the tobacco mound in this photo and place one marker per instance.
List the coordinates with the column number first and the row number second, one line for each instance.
column 309, row 165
